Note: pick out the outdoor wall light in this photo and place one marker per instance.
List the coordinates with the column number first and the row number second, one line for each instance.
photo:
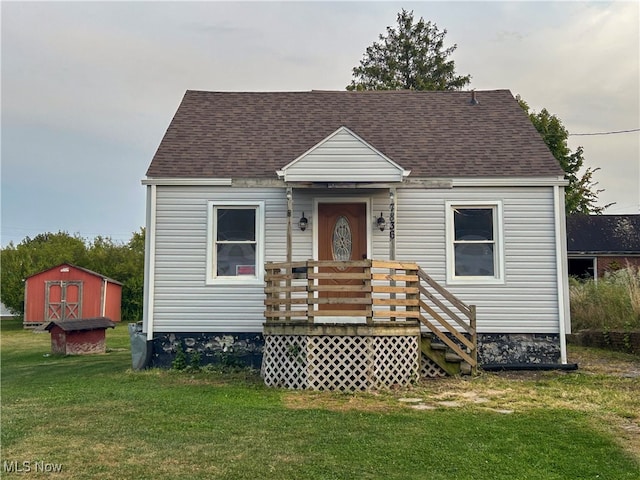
column 303, row 222
column 381, row 222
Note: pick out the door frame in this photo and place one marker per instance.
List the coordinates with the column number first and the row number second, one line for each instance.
column 343, row 199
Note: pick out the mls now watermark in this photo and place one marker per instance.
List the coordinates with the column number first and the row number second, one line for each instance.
column 14, row 466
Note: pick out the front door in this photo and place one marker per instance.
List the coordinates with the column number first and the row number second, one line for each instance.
column 342, row 236
column 63, row 300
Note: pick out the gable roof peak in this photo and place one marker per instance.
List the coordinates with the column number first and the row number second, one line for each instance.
column 343, row 156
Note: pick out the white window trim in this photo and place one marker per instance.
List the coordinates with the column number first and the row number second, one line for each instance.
column 211, row 277
column 498, row 277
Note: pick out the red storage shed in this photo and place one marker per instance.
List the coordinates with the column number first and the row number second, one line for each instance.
column 69, row 292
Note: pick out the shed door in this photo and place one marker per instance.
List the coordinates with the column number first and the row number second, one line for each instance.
column 63, row 300
column 342, row 236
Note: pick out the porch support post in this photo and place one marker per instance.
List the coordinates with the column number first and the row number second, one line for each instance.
column 289, row 219
column 392, row 223
column 392, row 236
column 289, row 269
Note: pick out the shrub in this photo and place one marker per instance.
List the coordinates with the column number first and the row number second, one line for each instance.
column 611, row 303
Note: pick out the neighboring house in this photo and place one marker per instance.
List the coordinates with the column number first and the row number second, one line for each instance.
column 5, row 313
column 597, row 244
column 460, row 184
column 69, row 292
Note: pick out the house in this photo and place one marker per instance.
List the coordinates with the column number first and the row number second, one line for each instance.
column 597, row 244
column 5, row 313
column 257, row 203
column 69, row 292
column 78, row 337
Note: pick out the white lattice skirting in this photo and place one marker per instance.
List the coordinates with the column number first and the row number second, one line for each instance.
column 340, row 362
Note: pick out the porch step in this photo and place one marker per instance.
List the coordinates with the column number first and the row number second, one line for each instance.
column 442, row 356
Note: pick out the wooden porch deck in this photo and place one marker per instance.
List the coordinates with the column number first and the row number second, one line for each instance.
column 302, row 296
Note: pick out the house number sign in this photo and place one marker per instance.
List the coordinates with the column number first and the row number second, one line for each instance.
column 392, row 220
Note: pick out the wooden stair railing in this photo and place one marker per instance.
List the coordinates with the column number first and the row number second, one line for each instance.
column 463, row 341
column 383, row 291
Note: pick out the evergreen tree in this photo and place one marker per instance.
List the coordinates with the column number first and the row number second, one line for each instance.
column 411, row 56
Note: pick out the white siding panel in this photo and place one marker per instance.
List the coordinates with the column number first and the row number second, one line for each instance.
column 528, row 299
column 343, row 158
column 526, row 302
column 183, row 300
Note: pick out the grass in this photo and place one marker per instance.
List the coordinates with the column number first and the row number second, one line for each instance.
column 611, row 303
column 98, row 419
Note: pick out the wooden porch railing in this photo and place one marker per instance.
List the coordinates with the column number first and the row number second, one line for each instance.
column 376, row 291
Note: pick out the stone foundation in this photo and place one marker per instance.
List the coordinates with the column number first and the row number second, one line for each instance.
column 518, row 348
column 233, row 349
column 246, row 349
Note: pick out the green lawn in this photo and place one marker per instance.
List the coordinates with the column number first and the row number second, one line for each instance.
column 98, row 419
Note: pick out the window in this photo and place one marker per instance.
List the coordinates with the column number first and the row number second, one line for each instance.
column 473, row 245
column 234, row 248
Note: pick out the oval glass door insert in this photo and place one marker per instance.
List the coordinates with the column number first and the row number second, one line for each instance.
column 342, row 242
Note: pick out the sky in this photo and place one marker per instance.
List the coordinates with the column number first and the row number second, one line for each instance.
column 88, row 89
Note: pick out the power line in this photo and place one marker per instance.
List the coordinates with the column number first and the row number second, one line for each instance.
column 604, row 133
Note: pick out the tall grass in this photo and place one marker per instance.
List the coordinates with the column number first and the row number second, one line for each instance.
column 611, row 303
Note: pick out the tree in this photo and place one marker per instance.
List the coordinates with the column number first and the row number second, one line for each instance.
column 125, row 263
column 122, row 262
column 581, row 195
column 33, row 255
column 411, row 56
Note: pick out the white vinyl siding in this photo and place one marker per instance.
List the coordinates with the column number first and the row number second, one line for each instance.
column 342, row 157
column 527, row 300
column 183, row 299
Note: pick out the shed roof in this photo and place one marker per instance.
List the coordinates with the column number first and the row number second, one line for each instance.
column 433, row 134
column 80, row 324
column 91, row 272
column 603, row 234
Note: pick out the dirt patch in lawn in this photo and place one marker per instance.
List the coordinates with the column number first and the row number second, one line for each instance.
column 606, row 386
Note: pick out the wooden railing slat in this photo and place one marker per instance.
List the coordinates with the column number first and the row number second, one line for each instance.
column 331, row 264
column 446, row 325
column 338, row 276
column 394, row 265
column 395, row 313
column 290, row 313
column 295, row 288
column 394, row 277
column 444, row 308
column 447, row 341
column 445, row 293
column 283, row 301
column 398, row 302
column 340, row 288
column 342, row 313
column 386, row 289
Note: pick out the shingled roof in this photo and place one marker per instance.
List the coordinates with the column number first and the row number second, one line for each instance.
column 80, row 324
column 618, row 234
column 433, row 134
